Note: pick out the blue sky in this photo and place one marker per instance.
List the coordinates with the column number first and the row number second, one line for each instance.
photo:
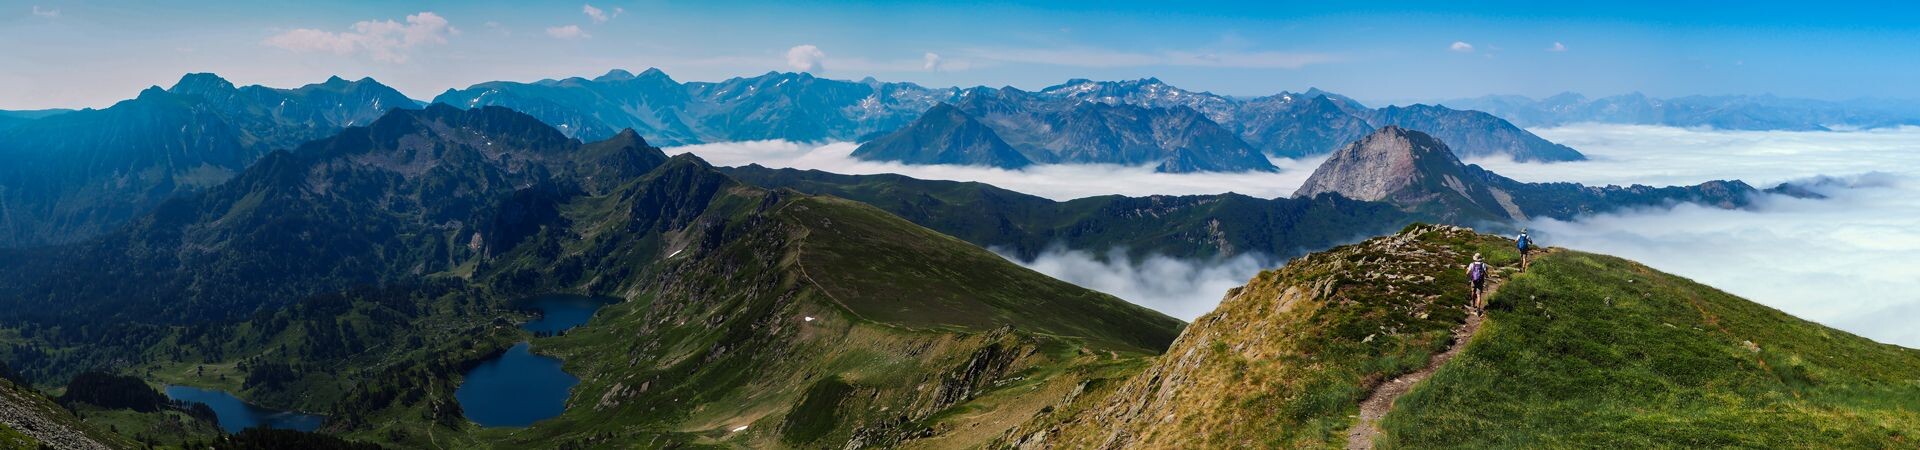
column 61, row 53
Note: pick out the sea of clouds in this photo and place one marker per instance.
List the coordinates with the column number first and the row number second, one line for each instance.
column 1851, row 261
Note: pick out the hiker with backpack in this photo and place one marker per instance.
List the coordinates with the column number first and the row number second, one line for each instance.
column 1477, row 278
column 1525, row 245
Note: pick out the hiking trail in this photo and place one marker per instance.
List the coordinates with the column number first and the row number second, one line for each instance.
column 1378, row 403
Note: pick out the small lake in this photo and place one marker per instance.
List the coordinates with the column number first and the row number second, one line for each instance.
column 235, row 414
column 515, row 389
column 519, row 387
column 559, row 312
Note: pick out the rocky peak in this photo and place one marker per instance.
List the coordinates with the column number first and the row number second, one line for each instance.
column 1383, row 164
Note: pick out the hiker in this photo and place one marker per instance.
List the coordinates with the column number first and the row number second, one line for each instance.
column 1477, row 277
column 1525, row 244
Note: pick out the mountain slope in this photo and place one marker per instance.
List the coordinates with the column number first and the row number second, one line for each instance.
column 1419, row 173
column 399, row 198
column 1582, row 350
column 31, row 420
column 80, row 174
column 1063, row 130
column 1293, row 125
column 768, row 318
column 943, row 135
column 1595, row 350
column 1194, row 226
column 792, row 106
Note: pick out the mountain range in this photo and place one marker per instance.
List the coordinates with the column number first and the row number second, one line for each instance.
column 1146, row 122
column 1725, row 112
column 361, row 274
column 73, row 175
column 78, row 174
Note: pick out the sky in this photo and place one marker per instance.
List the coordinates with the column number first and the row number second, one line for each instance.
column 90, row 53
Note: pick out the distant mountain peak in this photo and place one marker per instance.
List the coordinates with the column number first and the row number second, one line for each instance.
column 201, row 83
column 615, row 75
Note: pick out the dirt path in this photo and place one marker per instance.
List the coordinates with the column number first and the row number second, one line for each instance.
column 1377, row 404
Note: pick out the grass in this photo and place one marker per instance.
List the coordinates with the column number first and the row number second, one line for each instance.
column 1285, row 361
column 1594, row 351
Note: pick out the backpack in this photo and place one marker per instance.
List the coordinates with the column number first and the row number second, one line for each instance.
column 1477, row 271
column 1523, row 242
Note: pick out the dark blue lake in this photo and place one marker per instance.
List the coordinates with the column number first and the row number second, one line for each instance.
column 561, row 311
column 236, row 415
column 515, row 389
column 518, row 387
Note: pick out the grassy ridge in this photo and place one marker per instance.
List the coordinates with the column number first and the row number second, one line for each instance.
column 1590, row 350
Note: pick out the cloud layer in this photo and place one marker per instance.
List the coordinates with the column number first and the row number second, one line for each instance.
column 1851, row 261
column 382, row 40
column 1175, row 287
column 1848, row 261
column 1058, row 181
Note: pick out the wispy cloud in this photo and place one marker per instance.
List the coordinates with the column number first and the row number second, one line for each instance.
column 1557, row 47
column 568, row 32
column 45, row 12
column 1460, row 46
column 1105, row 58
column 931, row 61
column 382, row 40
column 806, row 58
column 601, row 16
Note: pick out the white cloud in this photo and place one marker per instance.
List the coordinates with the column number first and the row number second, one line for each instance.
column 1460, row 46
column 1180, row 288
column 1055, row 181
column 568, row 32
column 1103, row 58
column 1557, row 47
column 932, row 61
column 1848, row 261
column 600, row 16
column 382, row 40
column 45, row 12
column 806, row 58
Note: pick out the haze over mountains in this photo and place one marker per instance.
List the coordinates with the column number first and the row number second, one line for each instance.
column 82, row 173
column 1725, row 112
column 77, row 174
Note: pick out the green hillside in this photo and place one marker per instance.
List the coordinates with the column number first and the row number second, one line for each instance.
column 1592, row 350
column 1583, row 351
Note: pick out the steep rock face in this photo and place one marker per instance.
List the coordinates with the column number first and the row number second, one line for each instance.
column 1420, row 174
column 944, row 135
column 1285, row 360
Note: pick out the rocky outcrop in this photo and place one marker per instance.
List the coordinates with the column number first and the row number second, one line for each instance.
column 33, row 415
column 1420, row 174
